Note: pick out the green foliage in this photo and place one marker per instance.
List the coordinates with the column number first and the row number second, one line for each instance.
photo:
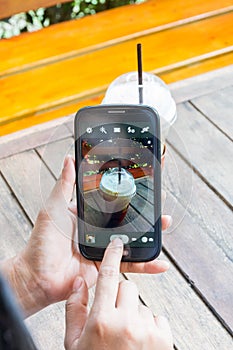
column 34, row 20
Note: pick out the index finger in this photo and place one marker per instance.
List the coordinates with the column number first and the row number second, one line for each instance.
column 108, row 279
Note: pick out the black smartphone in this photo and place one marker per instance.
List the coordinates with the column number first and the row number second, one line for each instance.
column 118, row 180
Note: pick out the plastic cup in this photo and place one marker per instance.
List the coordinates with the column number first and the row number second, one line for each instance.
column 117, row 195
column 156, row 94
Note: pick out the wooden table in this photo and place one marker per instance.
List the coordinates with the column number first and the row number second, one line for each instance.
column 196, row 294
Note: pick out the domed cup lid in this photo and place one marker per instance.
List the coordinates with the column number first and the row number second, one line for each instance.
column 111, row 185
column 156, row 94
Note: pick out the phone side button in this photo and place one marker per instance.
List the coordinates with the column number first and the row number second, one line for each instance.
column 124, row 238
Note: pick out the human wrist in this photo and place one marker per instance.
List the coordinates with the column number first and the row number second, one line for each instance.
column 25, row 286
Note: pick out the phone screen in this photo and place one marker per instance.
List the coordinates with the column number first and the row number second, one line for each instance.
column 117, row 184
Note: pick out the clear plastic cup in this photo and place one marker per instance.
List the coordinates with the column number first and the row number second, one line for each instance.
column 116, row 194
column 156, row 94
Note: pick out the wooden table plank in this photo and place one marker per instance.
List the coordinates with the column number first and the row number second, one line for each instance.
column 199, row 201
column 15, row 227
column 54, row 154
column 138, row 223
column 203, row 84
column 47, row 327
column 97, row 217
column 35, row 136
column 193, row 325
column 201, row 241
column 29, row 180
column 205, row 148
column 83, row 78
column 218, row 107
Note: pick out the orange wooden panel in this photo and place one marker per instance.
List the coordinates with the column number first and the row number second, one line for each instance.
column 61, row 111
column 11, row 7
column 169, row 77
column 199, row 67
column 90, row 74
column 77, row 37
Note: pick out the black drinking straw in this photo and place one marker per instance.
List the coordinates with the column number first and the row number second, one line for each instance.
column 140, row 86
column 119, row 172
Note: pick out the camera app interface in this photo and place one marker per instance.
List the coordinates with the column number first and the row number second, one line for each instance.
column 117, row 188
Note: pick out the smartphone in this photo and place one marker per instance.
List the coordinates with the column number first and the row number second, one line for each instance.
column 118, row 180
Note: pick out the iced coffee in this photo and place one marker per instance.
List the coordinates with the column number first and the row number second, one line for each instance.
column 117, row 188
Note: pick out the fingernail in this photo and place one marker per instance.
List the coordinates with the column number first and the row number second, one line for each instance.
column 169, row 220
column 66, row 160
column 117, row 242
column 165, row 264
column 77, row 284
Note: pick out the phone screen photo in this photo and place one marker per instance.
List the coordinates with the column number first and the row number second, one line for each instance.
column 118, row 180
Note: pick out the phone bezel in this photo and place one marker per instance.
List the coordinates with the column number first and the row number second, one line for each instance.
column 105, row 114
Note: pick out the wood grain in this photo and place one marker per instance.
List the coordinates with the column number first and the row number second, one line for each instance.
column 48, row 115
column 205, row 148
column 54, row 153
column 195, row 68
column 47, row 327
column 199, row 201
column 11, row 7
column 29, row 179
column 200, row 239
column 202, row 84
column 81, row 36
column 192, row 86
column 83, row 78
column 218, row 107
column 35, row 136
column 15, row 227
column 193, row 325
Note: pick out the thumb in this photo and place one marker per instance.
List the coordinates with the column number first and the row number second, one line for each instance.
column 76, row 312
column 63, row 190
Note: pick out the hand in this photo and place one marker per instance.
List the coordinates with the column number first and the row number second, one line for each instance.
column 116, row 320
column 45, row 271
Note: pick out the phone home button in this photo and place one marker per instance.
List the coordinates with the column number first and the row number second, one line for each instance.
column 124, row 238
